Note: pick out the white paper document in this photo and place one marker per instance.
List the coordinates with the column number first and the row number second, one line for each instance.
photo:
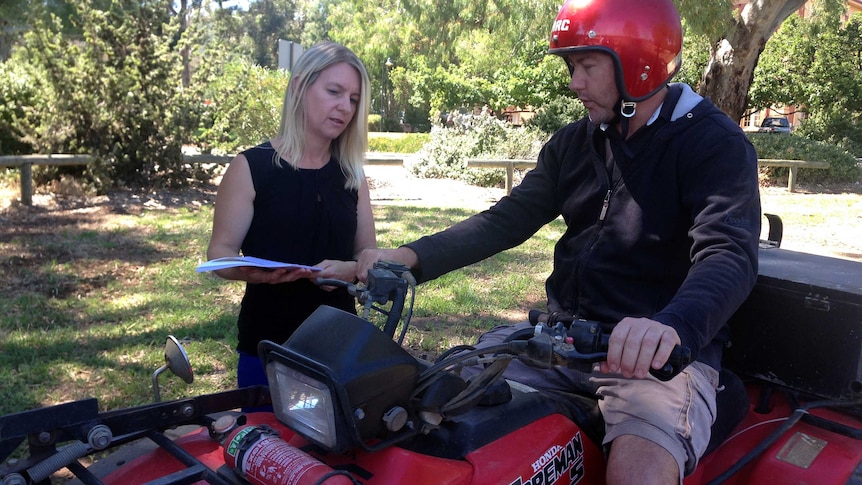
column 234, row 261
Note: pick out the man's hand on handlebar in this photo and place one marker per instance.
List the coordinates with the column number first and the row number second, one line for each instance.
column 368, row 257
column 638, row 344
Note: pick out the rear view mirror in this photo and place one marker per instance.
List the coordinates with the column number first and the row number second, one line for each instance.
column 177, row 361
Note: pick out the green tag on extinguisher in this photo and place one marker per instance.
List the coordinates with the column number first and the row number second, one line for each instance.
column 237, row 439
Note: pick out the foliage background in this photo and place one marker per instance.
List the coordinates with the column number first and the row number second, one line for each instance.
column 133, row 82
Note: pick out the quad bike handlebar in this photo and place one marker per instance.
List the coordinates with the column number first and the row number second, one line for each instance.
column 386, row 282
column 578, row 342
column 554, row 340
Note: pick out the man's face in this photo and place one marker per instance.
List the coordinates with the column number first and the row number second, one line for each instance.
column 593, row 82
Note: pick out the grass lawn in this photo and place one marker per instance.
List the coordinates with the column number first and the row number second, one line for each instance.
column 91, row 292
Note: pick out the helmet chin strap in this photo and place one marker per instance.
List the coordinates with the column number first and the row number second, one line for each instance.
column 627, row 110
column 623, row 113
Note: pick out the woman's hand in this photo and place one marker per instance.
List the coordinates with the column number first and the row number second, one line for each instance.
column 274, row 276
column 330, row 269
column 337, row 270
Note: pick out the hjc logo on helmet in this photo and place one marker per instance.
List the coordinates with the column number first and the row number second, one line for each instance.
column 561, row 25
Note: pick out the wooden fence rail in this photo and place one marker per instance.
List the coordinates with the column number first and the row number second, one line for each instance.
column 25, row 164
column 511, row 164
column 793, row 165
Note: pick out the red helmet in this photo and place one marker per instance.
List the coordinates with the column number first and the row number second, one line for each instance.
column 644, row 38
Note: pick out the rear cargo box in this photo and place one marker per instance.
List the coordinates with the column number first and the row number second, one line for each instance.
column 802, row 325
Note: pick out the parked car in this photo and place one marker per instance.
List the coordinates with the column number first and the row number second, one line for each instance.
column 775, row 125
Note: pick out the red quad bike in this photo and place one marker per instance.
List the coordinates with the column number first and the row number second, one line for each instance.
column 351, row 406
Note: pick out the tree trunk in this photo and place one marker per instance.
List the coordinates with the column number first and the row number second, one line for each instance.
column 5, row 44
column 730, row 70
column 185, row 51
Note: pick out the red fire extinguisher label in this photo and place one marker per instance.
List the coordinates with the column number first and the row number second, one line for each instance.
column 275, row 461
column 266, row 459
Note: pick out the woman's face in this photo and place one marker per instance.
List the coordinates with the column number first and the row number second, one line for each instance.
column 331, row 102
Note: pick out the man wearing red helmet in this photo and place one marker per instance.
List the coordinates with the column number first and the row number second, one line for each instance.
column 659, row 192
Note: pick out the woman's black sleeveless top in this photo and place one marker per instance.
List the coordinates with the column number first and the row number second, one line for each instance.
column 300, row 216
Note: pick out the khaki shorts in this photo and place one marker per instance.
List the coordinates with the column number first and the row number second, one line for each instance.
column 676, row 415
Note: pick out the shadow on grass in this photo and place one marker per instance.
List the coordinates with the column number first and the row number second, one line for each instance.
column 88, row 301
column 459, row 306
column 73, row 245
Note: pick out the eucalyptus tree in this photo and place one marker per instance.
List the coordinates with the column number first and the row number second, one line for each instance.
column 453, row 51
column 13, row 21
column 834, row 90
column 267, row 21
column 16, row 19
column 313, row 18
column 737, row 37
column 443, row 54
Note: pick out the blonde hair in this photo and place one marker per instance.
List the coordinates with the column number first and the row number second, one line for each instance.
column 349, row 148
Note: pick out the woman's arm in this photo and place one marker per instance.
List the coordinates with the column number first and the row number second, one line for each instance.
column 234, row 211
column 366, row 238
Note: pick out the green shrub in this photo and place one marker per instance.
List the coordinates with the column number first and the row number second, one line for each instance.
column 834, row 126
column 114, row 94
column 242, row 108
column 558, row 113
column 475, row 136
column 396, row 142
column 842, row 165
column 20, row 92
column 444, row 156
column 520, row 143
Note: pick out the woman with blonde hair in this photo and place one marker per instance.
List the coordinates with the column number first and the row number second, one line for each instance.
column 301, row 197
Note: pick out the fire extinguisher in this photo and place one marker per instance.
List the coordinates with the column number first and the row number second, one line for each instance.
column 259, row 455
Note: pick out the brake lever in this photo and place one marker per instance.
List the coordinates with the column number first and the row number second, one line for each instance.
column 333, row 282
column 545, row 352
column 574, row 359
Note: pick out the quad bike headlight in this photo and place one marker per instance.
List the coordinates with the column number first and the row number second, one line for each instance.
column 303, row 403
column 342, row 383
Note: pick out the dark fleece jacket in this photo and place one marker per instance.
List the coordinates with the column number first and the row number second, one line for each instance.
column 667, row 229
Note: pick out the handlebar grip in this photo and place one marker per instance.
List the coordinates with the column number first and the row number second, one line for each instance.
column 680, row 357
column 537, row 316
column 331, row 282
column 590, row 340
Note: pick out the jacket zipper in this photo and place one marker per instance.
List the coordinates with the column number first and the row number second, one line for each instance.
column 605, row 205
